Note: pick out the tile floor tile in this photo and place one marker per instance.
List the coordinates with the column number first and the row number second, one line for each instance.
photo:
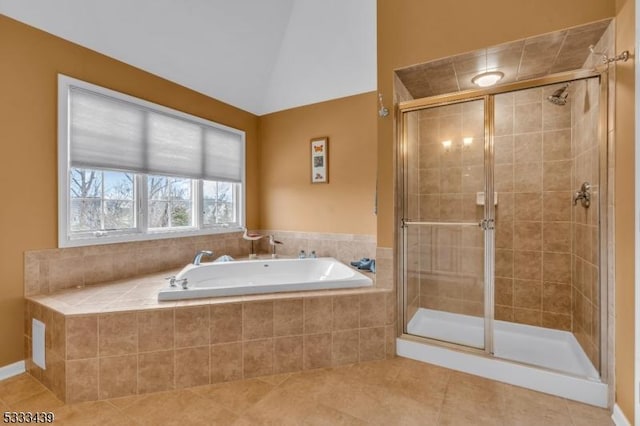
column 526, row 407
column 275, row 379
column 18, row 388
column 472, row 400
column 322, row 415
column 125, row 401
column 426, row 385
column 453, row 416
column 236, row 396
column 376, row 404
column 181, row 407
column 584, row 415
column 43, row 401
column 281, row 406
column 96, row 413
column 396, row 391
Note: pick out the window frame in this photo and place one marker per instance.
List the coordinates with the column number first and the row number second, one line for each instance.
column 141, row 232
column 124, row 231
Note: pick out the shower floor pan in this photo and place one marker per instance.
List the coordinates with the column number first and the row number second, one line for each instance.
column 565, row 369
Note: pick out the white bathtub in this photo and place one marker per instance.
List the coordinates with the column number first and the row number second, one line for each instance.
column 263, row 276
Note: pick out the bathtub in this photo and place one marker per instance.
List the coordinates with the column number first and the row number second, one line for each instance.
column 263, row 276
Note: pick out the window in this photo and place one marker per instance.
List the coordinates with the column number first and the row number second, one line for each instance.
column 219, row 203
column 101, row 201
column 132, row 170
column 170, row 202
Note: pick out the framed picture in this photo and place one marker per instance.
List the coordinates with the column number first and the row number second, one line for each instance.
column 320, row 160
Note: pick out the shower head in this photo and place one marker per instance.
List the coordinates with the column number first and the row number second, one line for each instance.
column 559, row 97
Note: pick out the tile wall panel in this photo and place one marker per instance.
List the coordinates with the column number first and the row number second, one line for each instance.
column 107, row 355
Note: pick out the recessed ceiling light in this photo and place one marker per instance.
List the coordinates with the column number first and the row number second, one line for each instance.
column 486, row 79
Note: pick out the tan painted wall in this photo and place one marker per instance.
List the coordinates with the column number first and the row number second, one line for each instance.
column 30, row 61
column 288, row 199
column 624, row 205
column 411, row 31
column 414, row 31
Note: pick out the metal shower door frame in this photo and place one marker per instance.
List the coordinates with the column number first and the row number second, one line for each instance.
column 488, row 95
column 487, row 223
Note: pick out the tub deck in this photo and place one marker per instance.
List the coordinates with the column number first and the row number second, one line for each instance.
column 117, row 339
column 141, row 293
column 264, row 276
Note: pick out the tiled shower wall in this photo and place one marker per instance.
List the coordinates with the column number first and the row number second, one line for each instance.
column 585, row 243
column 546, row 249
column 586, row 284
column 449, row 258
column 533, row 180
column 533, row 164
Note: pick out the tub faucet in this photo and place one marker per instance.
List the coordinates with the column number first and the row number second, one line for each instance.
column 273, row 243
column 173, row 282
column 198, row 257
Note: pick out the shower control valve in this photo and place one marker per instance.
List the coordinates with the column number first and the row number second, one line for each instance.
column 583, row 195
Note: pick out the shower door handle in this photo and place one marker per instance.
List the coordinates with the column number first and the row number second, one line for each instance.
column 486, row 224
column 407, row 222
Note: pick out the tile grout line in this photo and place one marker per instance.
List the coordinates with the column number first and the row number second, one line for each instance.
column 444, row 397
column 242, row 340
column 137, row 313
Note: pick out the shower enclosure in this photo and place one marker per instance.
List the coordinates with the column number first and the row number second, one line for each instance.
column 501, row 219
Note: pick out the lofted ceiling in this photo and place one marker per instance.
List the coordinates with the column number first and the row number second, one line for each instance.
column 260, row 56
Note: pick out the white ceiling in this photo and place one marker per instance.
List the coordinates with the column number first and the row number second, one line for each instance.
column 259, row 55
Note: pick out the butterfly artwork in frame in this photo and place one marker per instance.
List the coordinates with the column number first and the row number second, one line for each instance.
column 320, row 160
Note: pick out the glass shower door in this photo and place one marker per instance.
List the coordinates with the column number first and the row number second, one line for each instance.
column 443, row 223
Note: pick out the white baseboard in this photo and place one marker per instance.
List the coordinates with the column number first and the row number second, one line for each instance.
column 12, row 370
column 618, row 417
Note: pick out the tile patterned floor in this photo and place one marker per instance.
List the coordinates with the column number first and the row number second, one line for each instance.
column 392, row 392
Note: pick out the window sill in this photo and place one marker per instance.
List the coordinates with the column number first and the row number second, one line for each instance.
column 65, row 242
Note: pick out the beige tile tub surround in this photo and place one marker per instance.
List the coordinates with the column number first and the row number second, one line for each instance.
column 344, row 247
column 108, row 336
column 47, row 271
column 114, row 340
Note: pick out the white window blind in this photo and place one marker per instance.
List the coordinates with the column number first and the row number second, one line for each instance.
column 114, row 134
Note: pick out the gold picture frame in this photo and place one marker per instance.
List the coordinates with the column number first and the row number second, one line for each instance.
column 320, row 160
